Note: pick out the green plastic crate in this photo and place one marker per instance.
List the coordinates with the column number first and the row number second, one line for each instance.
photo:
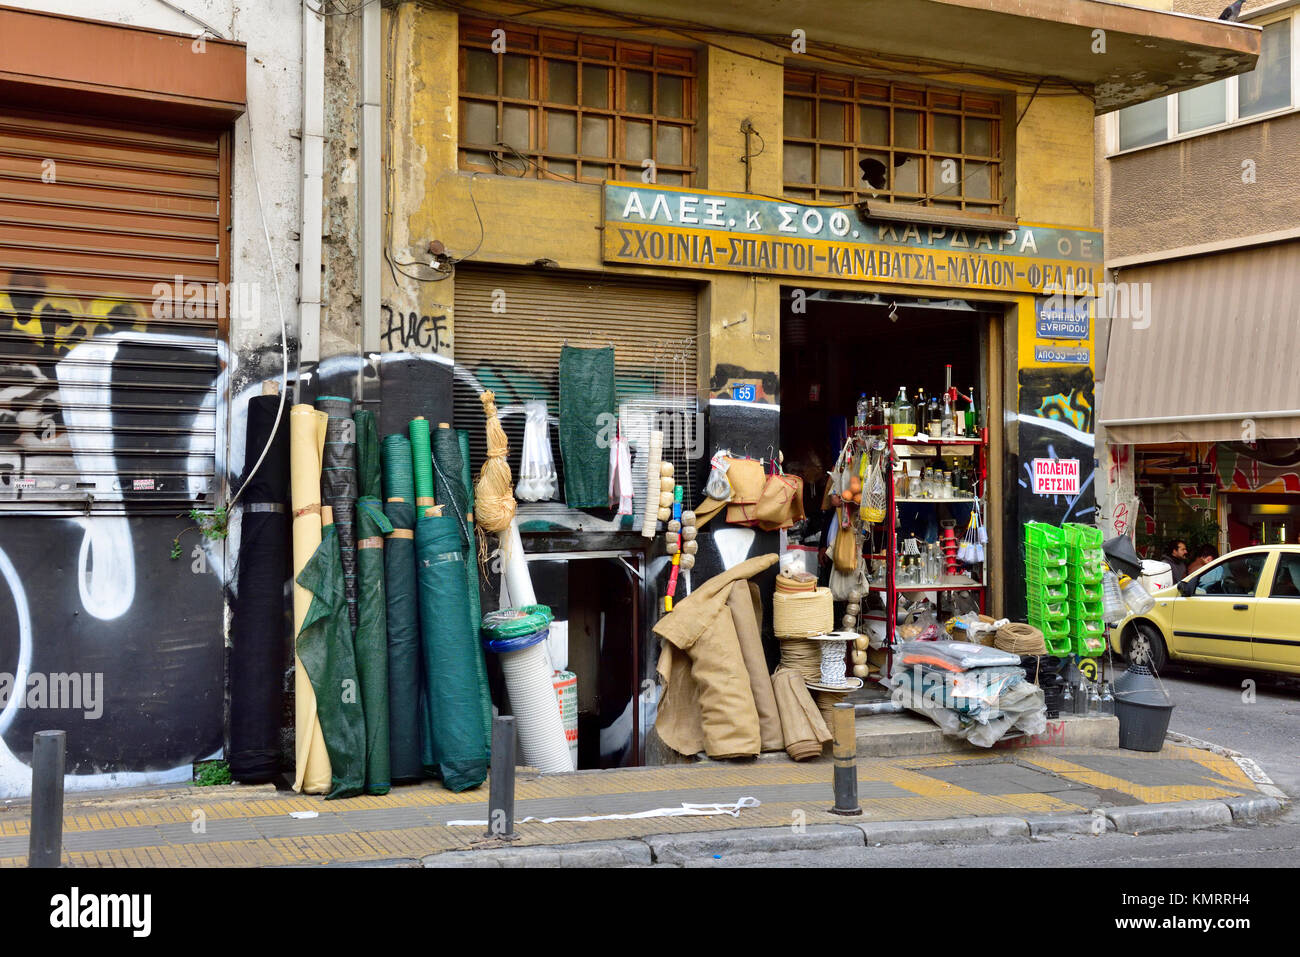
column 1049, row 611
column 1051, row 629
column 1085, row 574
column 1088, row 646
column 1046, row 574
column 1039, row 534
column 1045, row 555
column 1059, row 647
column 1081, row 591
column 1078, row 555
column 1085, row 610
column 1082, row 536
column 1043, row 591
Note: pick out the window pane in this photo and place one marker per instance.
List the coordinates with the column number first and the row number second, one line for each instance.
column 595, row 136
column 636, row 141
column 945, row 176
column 562, row 169
column 907, row 175
column 907, row 128
column 672, row 91
column 669, row 179
column 1143, row 124
column 561, row 81
column 979, row 137
column 798, row 117
column 1202, row 107
column 876, row 176
column 1286, row 581
column 561, row 132
column 1268, row 86
column 515, row 76
column 1237, row 577
column 798, row 163
column 874, row 125
column 638, row 96
column 480, row 71
column 978, row 181
column 595, row 87
column 832, row 166
column 670, row 145
column 590, row 171
column 830, row 121
column 516, row 130
column 947, row 133
column 478, row 122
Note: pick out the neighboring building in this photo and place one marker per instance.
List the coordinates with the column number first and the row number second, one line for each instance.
column 129, row 205
column 1199, row 196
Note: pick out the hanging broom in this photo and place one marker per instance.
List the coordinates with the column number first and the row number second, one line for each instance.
column 494, row 498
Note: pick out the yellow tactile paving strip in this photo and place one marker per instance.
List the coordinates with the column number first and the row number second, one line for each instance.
column 923, row 798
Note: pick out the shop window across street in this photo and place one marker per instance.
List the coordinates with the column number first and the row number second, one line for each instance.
column 544, row 104
column 849, row 139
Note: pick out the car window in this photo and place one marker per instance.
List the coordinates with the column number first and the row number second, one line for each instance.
column 1236, row 576
column 1286, row 580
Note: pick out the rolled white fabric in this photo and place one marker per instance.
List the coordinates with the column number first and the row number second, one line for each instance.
column 529, row 682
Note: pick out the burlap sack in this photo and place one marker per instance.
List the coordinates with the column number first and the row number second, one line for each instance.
column 802, row 725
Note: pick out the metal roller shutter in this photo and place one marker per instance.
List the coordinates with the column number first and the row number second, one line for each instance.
column 515, row 350
column 112, row 249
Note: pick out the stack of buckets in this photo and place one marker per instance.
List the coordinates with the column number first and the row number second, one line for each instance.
column 1048, row 585
column 1087, row 565
column 566, row 684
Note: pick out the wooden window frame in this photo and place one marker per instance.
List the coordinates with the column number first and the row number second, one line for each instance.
column 855, row 93
column 620, row 57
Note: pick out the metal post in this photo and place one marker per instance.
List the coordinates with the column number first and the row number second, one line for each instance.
column 846, row 760
column 45, row 846
column 501, row 783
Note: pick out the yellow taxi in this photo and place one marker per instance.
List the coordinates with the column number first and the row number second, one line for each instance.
column 1242, row 610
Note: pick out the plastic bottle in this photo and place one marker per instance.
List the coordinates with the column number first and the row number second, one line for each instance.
column 864, row 409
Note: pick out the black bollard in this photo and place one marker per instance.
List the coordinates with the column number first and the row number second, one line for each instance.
column 45, row 845
column 846, row 760
column 501, row 783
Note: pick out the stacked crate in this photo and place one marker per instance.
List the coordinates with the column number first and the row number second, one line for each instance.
column 1047, row 585
column 1086, row 565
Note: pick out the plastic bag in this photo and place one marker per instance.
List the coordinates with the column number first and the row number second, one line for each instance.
column 954, row 655
column 717, row 486
column 921, row 624
column 537, row 479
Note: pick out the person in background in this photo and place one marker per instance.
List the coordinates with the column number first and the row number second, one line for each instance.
column 1204, row 555
column 1176, row 557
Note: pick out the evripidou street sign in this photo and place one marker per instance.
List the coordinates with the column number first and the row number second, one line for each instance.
column 690, row 229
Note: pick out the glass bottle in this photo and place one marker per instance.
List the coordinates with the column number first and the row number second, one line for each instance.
column 972, row 416
column 1067, row 700
column 922, row 412
column 949, row 429
column 862, row 410
column 904, row 416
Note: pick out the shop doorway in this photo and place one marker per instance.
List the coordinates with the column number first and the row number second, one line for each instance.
column 1261, row 519
column 837, row 347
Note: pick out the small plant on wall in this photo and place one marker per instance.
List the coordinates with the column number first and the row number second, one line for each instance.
column 211, row 525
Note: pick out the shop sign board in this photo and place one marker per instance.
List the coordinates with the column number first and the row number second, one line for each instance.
column 1053, row 354
column 676, row 228
column 1056, row 476
column 1059, row 317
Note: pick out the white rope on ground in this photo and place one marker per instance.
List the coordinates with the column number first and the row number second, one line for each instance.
column 686, row 810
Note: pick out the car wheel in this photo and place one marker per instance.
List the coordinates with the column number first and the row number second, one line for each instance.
column 1143, row 643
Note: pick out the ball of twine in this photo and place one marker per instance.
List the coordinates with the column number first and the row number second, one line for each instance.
column 494, row 498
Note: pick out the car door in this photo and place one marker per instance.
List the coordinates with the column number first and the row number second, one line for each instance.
column 1217, row 620
column 1277, row 615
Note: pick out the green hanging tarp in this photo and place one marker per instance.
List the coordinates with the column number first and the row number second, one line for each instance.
column 325, row 649
column 403, row 618
column 449, row 488
column 368, row 466
column 587, row 410
column 449, row 646
column 371, row 640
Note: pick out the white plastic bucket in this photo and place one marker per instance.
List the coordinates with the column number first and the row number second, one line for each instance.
column 1156, row 575
column 566, row 691
column 536, row 709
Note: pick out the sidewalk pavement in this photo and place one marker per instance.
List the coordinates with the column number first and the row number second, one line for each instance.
column 966, row 796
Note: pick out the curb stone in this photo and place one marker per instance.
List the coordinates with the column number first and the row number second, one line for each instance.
column 937, row 832
column 1068, row 824
column 1251, row 810
column 1249, row 766
column 627, row 853
column 688, row 847
column 1149, row 818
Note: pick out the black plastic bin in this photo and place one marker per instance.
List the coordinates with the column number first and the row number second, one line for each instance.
column 1143, row 710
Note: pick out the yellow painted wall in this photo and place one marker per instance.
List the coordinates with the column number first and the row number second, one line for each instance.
column 1051, row 181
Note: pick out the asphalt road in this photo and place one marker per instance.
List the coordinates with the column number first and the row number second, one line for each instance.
column 1210, row 704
